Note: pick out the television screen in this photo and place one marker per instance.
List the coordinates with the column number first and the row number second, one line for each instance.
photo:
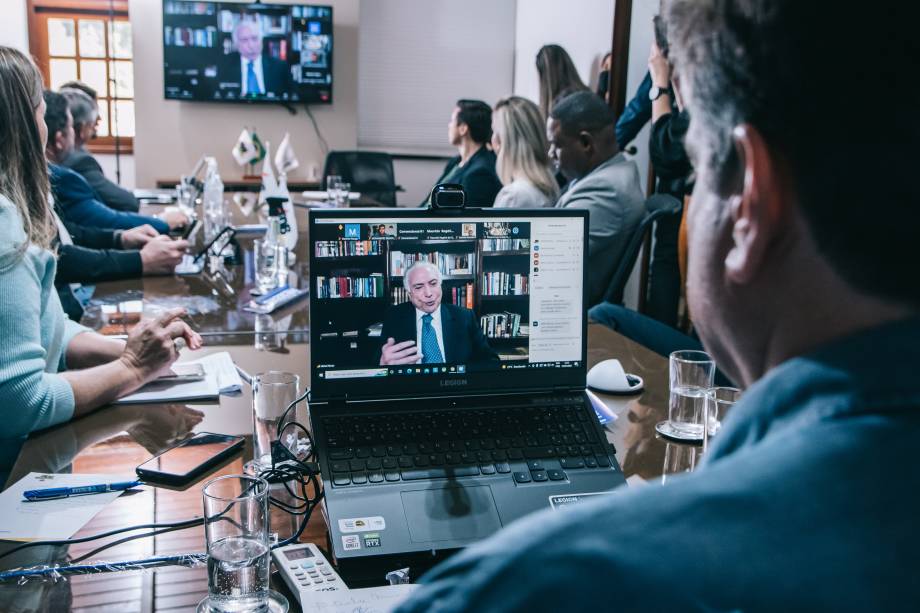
column 231, row 52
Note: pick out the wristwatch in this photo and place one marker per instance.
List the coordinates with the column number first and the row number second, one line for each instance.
column 656, row 92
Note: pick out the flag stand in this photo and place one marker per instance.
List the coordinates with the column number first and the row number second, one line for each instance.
column 250, row 172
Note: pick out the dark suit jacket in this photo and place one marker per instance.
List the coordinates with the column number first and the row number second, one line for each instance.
column 109, row 193
column 477, row 177
column 276, row 75
column 464, row 342
column 77, row 204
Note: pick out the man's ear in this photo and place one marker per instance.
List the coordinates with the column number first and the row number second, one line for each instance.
column 757, row 210
column 586, row 141
column 463, row 129
column 58, row 141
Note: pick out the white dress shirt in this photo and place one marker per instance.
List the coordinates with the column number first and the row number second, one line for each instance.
column 244, row 71
column 438, row 332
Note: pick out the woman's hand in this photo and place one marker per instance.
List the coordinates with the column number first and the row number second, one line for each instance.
column 151, row 348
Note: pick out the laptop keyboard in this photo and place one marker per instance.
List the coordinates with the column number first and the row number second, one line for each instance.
column 467, row 443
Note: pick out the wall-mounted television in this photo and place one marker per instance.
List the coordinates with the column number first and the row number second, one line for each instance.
column 231, row 52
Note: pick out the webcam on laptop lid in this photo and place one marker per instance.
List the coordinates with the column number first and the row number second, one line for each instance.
column 448, row 196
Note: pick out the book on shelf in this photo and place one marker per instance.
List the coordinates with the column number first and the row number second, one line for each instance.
column 448, row 263
column 350, row 287
column 460, row 295
column 504, row 284
column 501, row 325
column 505, row 244
column 342, row 248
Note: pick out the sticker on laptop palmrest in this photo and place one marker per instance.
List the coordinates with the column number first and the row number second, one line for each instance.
column 362, row 524
column 351, row 542
column 567, row 500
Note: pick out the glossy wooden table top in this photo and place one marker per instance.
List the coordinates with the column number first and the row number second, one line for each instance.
column 114, row 440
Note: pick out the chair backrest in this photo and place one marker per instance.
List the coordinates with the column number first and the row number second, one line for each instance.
column 656, row 207
column 369, row 172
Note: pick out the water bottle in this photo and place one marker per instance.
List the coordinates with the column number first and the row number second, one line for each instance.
column 215, row 217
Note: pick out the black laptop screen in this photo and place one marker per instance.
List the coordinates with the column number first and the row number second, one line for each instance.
column 421, row 303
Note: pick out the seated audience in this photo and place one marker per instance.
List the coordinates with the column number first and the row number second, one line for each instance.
column 469, row 130
column 52, row 369
column 85, row 113
column 73, row 195
column 558, row 77
column 522, row 163
column 801, row 290
column 601, row 179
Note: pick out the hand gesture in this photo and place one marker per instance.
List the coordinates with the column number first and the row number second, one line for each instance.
column 399, row 353
column 161, row 255
column 151, row 348
column 659, row 67
column 135, row 238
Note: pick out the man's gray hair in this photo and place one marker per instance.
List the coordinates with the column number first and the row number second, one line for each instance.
column 253, row 24
column 421, row 264
column 81, row 107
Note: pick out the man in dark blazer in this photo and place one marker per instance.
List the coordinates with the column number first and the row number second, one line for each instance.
column 424, row 331
column 85, row 112
column 248, row 71
column 469, row 130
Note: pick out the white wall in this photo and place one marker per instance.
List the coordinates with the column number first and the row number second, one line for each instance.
column 584, row 28
column 128, row 173
column 172, row 134
column 14, row 31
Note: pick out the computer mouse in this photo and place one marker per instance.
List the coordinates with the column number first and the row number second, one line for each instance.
column 608, row 376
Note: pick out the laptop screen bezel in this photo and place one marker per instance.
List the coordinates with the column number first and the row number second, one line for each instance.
column 474, row 383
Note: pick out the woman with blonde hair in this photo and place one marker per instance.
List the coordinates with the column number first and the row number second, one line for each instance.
column 522, row 164
column 52, row 369
column 558, row 76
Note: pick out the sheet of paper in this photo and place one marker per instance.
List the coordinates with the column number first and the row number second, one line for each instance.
column 221, row 377
column 366, row 600
column 54, row 519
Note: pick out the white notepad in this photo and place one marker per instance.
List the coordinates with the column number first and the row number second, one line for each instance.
column 221, row 377
column 55, row 519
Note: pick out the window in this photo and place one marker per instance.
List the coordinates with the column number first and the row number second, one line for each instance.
column 89, row 41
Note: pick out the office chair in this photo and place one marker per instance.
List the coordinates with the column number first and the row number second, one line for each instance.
column 369, row 172
column 656, row 207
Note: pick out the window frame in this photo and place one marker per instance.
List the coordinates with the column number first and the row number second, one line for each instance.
column 39, row 11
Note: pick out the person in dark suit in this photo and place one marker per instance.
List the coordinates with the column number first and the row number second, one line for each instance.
column 248, row 71
column 85, row 113
column 424, row 331
column 469, row 130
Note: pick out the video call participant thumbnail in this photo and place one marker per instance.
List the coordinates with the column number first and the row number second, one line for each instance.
column 250, row 70
column 424, row 331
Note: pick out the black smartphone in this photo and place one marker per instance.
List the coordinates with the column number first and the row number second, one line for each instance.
column 217, row 244
column 190, row 229
column 190, row 458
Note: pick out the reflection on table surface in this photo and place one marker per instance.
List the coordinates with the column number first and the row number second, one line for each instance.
column 118, row 438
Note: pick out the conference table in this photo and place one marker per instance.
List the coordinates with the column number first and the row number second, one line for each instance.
column 116, row 439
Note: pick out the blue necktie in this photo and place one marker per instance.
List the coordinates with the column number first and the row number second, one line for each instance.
column 252, row 83
column 431, row 353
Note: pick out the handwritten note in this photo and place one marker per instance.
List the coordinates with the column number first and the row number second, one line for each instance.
column 366, row 600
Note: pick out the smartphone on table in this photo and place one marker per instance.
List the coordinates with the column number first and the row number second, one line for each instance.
column 187, row 460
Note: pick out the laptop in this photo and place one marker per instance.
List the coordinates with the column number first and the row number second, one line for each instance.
column 448, row 363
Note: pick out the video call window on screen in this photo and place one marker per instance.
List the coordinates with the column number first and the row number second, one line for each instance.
column 229, row 52
column 482, row 283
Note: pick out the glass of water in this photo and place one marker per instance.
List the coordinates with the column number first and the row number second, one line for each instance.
column 341, row 194
column 718, row 401
column 272, row 393
column 269, row 260
column 691, row 377
column 236, row 529
column 332, row 185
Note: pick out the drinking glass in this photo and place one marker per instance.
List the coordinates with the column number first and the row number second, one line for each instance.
column 332, row 185
column 270, row 262
column 718, row 401
column 691, row 376
column 679, row 458
column 236, row 524
column 341, row 194
column 272, row 393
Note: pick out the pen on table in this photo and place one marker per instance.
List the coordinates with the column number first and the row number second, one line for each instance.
column 65, row 492
column 245, row 376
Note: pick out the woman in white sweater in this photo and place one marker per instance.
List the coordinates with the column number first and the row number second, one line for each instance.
column 519, row 141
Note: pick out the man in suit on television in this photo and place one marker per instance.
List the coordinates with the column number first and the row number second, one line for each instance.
column 249, row 71
column 424, row 331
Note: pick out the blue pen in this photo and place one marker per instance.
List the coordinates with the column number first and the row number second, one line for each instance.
column 65, row 492
column 271, row 294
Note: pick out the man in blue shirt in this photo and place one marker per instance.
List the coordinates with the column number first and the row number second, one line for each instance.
column 805, row 293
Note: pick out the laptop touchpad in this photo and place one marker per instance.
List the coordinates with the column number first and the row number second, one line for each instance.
column 450, row 513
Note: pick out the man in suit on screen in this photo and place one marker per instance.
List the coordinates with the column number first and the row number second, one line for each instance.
column 248, row 70
column 424, row 331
